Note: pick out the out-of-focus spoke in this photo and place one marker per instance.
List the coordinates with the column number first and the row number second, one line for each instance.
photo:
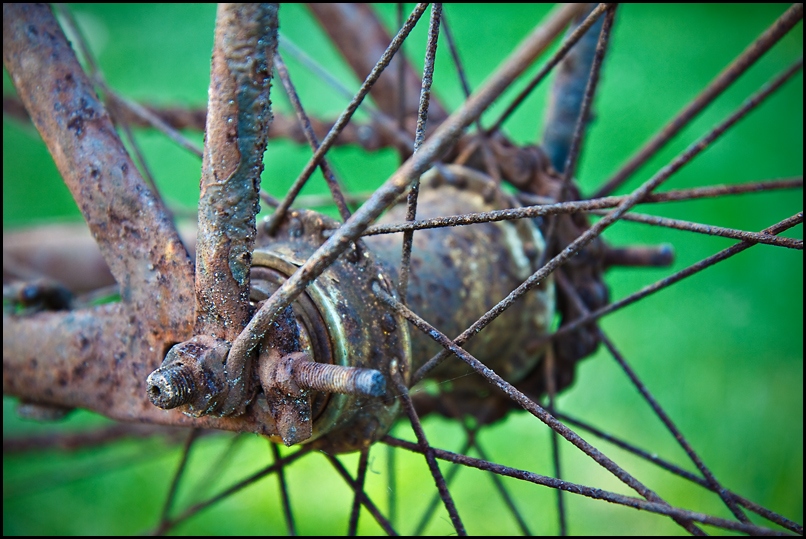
column 305, row 123
column 432, row 506
column 241, row 484
column 359, row 481
column 169, row 500
column 391, row 472
column 147, row 117
column 595, row 493
column 359, row 492
column 551, row 392
column 664, row 283
column 289, row 517
column 422, row 118
column 427, row 451
column 499, row 485
column 722, row 81
column 524, row 401
column 570, row 293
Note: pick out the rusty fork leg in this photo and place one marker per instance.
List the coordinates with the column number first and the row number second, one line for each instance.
column 239, row 115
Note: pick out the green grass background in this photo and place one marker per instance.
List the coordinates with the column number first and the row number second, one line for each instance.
column 722, row 351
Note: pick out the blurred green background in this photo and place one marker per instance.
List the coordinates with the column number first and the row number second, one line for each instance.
column 722, row 351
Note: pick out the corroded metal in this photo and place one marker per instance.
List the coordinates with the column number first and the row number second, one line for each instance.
column 237, row 121
column 98, row 359
column 136, row 237
column 339, row 323
column 374, row 338
column 192, row 375
column 434, row 148
column 459, row 273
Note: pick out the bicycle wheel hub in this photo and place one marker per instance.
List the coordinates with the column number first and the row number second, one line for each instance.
column 457, row 275
column 338, row 323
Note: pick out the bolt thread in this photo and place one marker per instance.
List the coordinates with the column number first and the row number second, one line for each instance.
column 338, row 379
column 171, row 386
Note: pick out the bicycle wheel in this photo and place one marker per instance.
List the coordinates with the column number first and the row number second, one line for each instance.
column 721, row 394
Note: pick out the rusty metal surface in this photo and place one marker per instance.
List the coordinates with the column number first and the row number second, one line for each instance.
column 435, row 147
column 97, row 359
column 123, row 340
column 341, row 311
column 135, row 235
column 237, row 121
column 459, row 273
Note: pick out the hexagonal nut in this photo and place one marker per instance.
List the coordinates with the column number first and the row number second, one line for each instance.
column 199, row 363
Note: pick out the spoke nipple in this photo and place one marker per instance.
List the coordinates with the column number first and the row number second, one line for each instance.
column 171, row 386
column 338, row 379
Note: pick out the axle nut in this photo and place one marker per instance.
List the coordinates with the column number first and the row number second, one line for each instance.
column 192, row 375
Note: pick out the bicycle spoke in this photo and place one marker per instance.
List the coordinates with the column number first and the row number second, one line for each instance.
column 344, row 118
column 678, row 195
column 729, row 74
column 566, row 97
column 590, row 90
column 422, row 118
column 666, row 282
column 289, row 517
column 391, row 132
column 359, row 481
column 305, row 124
column 95, row 355
column 646, row 188
column 565, row 285
column 169, row 500
column 599, row 494
column 436, row 145
column 434, row 503
column 508, row 499
column 241, row 484
column 551, row 392
column 359, row 493
column 570, row 164
column 403, row 393
column 527, row 404
column 543, row 210
column 711, row 230
column 566, row 46
column 357, row 33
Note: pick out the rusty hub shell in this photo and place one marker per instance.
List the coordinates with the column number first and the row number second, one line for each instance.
column 459, row 273
column 341, row 323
